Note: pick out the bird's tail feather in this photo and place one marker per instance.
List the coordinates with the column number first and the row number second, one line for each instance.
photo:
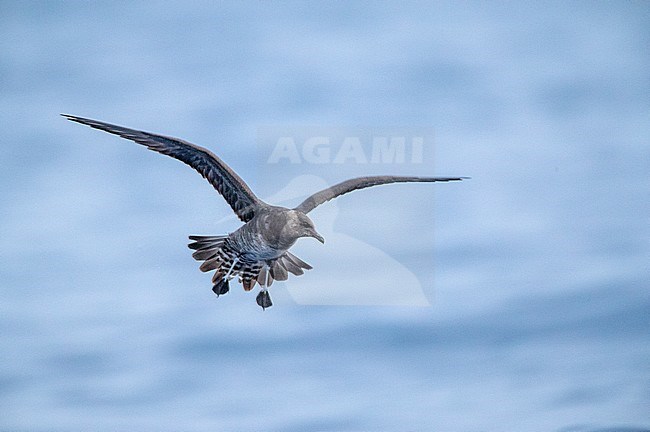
column 217, row 255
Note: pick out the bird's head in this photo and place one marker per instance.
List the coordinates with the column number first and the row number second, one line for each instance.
column 300, row 224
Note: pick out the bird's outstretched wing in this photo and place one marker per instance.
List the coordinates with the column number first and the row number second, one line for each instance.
column 238, row 195
column 361, row 183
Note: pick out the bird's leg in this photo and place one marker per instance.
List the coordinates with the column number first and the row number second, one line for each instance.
column 263, row 298
column 222, row 286
column 234, row 263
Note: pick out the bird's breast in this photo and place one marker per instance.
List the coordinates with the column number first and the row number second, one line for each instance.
column 253, row 246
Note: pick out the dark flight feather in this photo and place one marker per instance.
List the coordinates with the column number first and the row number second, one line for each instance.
column 234, row 190
column 361, row 183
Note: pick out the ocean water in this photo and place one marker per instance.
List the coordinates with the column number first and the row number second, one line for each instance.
column 517, row 300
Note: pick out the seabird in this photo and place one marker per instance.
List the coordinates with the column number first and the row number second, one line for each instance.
column 257, row 252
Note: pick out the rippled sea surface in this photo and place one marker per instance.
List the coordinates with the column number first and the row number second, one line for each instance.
column 532, row 278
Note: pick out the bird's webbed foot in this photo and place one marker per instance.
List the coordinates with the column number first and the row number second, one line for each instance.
column 264, row 299
column 221, row 287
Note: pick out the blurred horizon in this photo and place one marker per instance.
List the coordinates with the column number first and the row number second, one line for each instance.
column 535, row 271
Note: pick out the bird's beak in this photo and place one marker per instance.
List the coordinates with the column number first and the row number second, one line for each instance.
column 317, row 236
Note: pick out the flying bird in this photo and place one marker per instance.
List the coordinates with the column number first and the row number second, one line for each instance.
column 257, row 252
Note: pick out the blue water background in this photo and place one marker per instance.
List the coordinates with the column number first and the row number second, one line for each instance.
column 539, row 281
